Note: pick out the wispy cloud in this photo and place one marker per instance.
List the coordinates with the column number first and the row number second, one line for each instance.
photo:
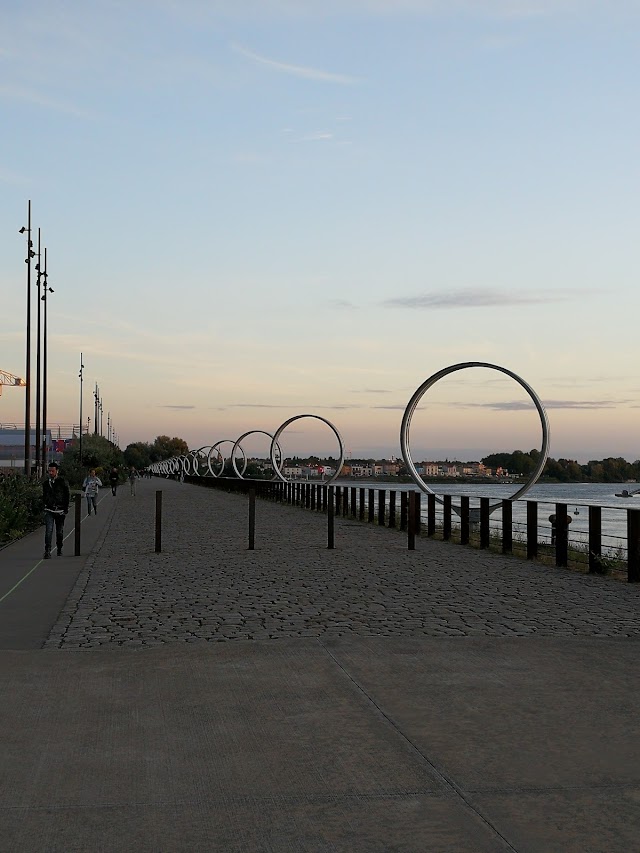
column 295, row 70
column 176, row 407
column 30, row 96
column 481, row 298
column 318, row 136
column 342, row 303
column 257, row 406
column 524, row 405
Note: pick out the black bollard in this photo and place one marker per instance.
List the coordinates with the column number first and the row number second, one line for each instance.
column 78, row 521
column 411, row 525
column 330, row 518
column 158, row 522
column 252, row 519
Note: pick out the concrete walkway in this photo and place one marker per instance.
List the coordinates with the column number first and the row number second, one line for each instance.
column 294, row 698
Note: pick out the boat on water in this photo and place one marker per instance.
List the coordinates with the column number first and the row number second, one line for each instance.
column 625, row 493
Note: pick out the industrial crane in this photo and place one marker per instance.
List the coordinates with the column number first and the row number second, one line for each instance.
column 10, row 379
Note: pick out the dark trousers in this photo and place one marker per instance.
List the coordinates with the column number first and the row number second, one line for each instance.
column 51, row 519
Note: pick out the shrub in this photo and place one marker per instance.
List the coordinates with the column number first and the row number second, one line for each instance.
column 20, row 507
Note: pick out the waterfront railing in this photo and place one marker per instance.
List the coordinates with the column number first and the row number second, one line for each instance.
column 534, row 530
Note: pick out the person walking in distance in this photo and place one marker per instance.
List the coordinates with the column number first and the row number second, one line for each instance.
column 56, row 494
column 133, row 476
column 90, row 488
column 113, row 480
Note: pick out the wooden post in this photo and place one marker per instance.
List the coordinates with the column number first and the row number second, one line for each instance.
column 330, row 519
column 532, row 530
column 411, row 526
column 158, row 522
column 595, row 537
column 633, row 545
column 78, row 521
column 464, row 520
column 446, row 520
column 562, row 535
column 507, row 527
column 252, row 519
column 404, row 503
column 484, row 523
column 392, row 508
column 431, row 514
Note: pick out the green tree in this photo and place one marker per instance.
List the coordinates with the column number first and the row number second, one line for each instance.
column 97, row 452
column 165, row 447
column 139, row 455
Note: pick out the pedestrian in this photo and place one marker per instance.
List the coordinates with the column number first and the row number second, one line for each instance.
column 113, row 480
column 56, row 494
column 133, row 476
column 90, row 488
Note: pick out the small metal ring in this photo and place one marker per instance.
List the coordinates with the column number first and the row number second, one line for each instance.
column 221, row 461
column 239, row 444
column 279, row 432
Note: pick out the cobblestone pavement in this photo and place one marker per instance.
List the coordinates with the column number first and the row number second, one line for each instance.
column 207, row 586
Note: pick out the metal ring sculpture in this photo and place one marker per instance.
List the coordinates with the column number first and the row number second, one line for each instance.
column 193, row 462
column 190, row 464
column 281, row 429
column 222, row 460
column 413, row 402
column 238, row 444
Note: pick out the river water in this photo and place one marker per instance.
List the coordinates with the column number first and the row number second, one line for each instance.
column 577, row 496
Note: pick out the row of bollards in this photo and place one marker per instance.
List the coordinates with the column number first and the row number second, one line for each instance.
column 413, row 520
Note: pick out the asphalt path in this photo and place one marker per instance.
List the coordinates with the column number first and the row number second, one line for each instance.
column 32, row 590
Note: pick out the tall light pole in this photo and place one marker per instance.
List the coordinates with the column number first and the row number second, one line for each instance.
column 46, row 291
column 96, row 397
column 38, row 378
column 100, row 416
column 27, row 404
column 80, row 419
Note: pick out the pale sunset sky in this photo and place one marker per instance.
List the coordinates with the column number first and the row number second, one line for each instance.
column 262, row 208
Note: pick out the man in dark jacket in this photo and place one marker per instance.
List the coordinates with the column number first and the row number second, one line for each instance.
column 55, row 491
column 114, row 478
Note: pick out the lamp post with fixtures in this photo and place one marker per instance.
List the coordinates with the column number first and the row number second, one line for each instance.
column 38, row 378
column 27, row 404
column 80, row 418
column 46, row 291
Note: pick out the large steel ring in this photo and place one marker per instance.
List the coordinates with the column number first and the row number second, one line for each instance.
column 281, row 429
column 238, row 444
column 214, row 451
column 200, row 458
column 413, row 402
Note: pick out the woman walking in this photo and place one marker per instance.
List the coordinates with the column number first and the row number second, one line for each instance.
column 133, row 476
column 90, row 488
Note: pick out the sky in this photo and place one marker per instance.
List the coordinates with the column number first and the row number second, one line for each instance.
column 264, row 208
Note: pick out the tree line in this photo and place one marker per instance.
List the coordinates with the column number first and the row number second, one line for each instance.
column 609, row 470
